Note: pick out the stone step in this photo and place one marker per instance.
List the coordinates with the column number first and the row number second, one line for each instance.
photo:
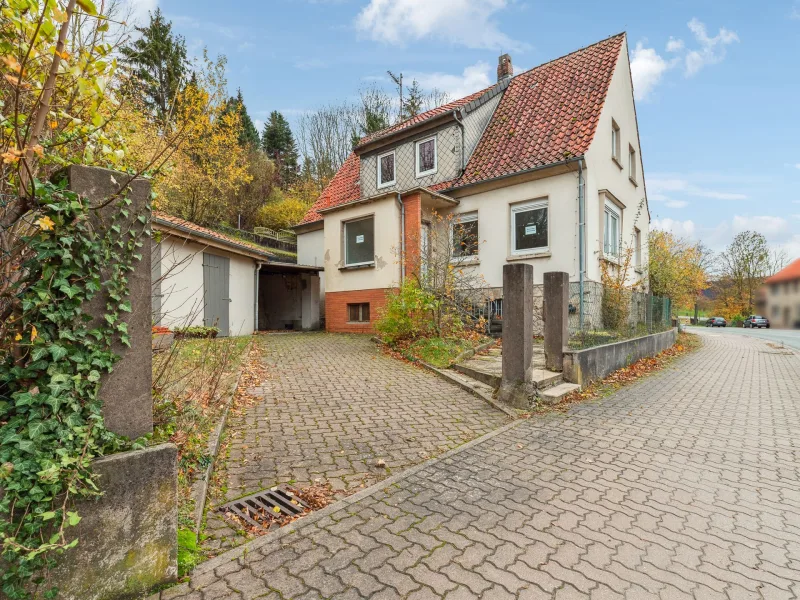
column 556, row 394
column 543, row 379
column 471, row 383
column 475, row 372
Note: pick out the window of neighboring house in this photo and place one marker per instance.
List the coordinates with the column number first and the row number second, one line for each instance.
column 776, row 311
column 359, row 242
column 616, row 145
column 774, row 289
column 358, row 313
column 386, row 169
column 637, row 240
column 464, row 235
column 426, row 157
column 529, row 227
column 611, row 231
column 632, row 163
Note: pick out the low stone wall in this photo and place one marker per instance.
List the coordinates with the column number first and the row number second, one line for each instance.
column 584, row 366
column 126, row 536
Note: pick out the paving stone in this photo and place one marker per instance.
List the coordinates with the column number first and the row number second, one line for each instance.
column 683, row 485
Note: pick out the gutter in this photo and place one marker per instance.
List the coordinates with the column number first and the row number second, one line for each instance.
column 581, row 235
column 402, row 238
column 463, row 134
column 255, row 296
column 560, row 163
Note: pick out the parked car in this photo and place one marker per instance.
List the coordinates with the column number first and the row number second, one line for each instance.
column 756, row 321
column 716, row 322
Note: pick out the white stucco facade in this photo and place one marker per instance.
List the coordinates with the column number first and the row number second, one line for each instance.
column 181, row 286
column 386, row 270
column 311, row 251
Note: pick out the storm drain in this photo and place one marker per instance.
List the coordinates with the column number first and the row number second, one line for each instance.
column 266, row 508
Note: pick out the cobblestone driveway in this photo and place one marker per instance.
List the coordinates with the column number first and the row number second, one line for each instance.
column 685, row 485
column 334, row 405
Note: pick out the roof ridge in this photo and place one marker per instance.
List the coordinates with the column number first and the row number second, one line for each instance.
column 552, row 60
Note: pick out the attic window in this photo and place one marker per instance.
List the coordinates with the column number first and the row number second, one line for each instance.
column 426, row 157
column 386, row 170
column 615, row 141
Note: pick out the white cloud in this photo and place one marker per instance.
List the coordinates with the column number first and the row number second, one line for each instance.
column 473, row 78
column 661, row 185
column 795, row 14
column 647, row 69
column 712, row 49
column 675, row 45
column 680, row 228
column 136, row 12
column 676, row 204
column 771, row 227
column 468, row 23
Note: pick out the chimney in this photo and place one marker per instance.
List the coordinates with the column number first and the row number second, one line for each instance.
column 504, row 68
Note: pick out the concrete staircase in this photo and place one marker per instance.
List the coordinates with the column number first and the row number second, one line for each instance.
column 484, row 372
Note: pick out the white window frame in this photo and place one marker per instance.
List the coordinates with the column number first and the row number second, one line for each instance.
column 383, row 184
column 612, row 211
column 632, row 163
column 435, row 157
column 616, row 142
column 467, row 217
column 524, row 207
column 344, row 240
column 637, row 251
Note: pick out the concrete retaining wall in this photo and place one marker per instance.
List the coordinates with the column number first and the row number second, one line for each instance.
column 585, row 366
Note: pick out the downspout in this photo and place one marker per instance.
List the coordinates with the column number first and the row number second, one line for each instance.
column 463, row 134
column 402, row 238
column 255, row 296
column 581, row 244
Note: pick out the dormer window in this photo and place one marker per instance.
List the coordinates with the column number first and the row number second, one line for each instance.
column 426, row 157
column 386, row 169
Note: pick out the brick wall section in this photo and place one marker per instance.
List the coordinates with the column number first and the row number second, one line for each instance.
column 413, row 226
column 336, row 309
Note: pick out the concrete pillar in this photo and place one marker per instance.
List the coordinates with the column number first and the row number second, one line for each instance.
column 517, row 334
column 556, row 318
column 126, row 392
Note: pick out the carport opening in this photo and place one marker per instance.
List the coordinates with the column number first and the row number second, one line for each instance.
column 287, row 300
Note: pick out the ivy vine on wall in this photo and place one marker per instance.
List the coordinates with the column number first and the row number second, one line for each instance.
column 51, row 424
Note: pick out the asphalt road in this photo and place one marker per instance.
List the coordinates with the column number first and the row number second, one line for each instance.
column 789, row 337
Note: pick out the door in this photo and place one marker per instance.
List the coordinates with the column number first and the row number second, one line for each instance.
column 216, row 292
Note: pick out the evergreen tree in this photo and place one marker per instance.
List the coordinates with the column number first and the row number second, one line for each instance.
column 413, row 101
column 278, row 143
column 248, row 135
column 158, row 64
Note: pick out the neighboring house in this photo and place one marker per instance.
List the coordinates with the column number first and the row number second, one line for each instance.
column 782, row 298
column 202, row 277
column 517, row 164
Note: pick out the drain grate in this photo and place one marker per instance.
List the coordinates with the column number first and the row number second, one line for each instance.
column 266, row 508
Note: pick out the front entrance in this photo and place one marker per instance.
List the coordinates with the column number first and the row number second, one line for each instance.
column 216, row 292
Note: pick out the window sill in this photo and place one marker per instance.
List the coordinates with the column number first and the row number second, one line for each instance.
column 358, row 322
column 610, row 258
column 528, row 256
column 638, row 270
column 616, row 162
column 466, row 262
column 633, row 181
column 370, row 265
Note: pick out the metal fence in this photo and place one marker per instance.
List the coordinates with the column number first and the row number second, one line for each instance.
column 604, row 315
column 267, row 238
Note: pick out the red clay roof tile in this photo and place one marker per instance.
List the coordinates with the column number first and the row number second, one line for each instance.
column 546, row 115
column 789, row 273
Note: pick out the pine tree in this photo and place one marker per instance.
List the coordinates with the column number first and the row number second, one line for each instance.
column 248, row 135
column 158, row 65
column 413, row 101
column 278, row 143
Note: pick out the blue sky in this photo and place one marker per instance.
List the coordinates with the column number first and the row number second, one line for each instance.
column 717, row 83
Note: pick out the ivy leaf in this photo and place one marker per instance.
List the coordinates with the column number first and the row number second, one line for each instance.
column 27, row 446
column 73, row 518
column 93, row 376
column 47, row 516
column 57, row 352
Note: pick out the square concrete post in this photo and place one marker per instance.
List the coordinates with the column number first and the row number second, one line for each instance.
column 127, row 391
column 517, row 334
column 556, row 318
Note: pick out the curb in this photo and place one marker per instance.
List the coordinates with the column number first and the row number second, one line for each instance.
column 213, row 447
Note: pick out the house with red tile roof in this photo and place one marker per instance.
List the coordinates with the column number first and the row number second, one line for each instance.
column 202, row 277
column 543, row 167
column 782, row 297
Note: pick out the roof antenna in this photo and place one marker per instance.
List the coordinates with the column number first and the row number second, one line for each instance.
column 398, row 80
